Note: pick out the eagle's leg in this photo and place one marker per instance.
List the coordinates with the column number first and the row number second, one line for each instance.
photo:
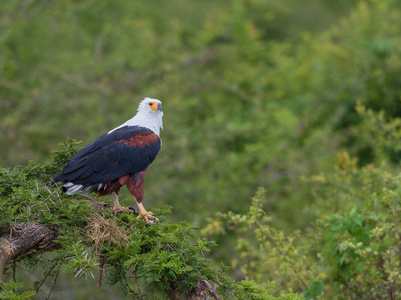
column 147, row 215
column 117, row 207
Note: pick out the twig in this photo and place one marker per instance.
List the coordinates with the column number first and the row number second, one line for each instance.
column 210, row 289
column 54, row 283
column 14, row 266
column 101, row 269
column 44, row 279
column 137, row 286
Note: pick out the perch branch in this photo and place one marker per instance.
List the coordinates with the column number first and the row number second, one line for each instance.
column 27, row 238
column 24, row 239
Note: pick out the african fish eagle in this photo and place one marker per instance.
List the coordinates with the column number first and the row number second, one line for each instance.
column 119, row 157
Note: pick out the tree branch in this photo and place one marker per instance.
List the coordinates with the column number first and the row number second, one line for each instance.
column 27, row 238
column 203, row 290
column 24, row 239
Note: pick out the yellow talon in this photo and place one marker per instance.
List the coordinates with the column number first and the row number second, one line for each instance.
column 117, row 207
column 148, row 216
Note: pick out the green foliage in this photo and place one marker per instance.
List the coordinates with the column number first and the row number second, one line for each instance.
column 280, row 257
column 27, row 194
column 79, row 260
column 249, row 289
column 256, row 93
column 162, row 256
column 11, row 290
column 146, row 261
column 352, row 250
column 314, row 289
column 362, row 245
column 299, row 97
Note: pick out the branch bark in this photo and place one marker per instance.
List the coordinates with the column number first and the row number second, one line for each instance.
column 24, row 239
column 27, row 238
column 203, row 290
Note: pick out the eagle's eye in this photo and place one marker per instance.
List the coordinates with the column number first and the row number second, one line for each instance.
column 151, row 103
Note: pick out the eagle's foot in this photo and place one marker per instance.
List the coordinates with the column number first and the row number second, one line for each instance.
column 119, row 208
column 148, row 216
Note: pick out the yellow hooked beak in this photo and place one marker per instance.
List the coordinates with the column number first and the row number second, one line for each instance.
column 155, row 106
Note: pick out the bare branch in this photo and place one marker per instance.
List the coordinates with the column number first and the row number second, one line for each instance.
column 24, row 239
column 54, row 283
column 203, row 290
column 45, row 277
column 101, row 269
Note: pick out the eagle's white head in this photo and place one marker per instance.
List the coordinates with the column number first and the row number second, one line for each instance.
column 149, row 115
column 150, row 105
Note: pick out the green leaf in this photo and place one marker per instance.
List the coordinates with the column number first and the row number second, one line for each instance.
column 316, row 288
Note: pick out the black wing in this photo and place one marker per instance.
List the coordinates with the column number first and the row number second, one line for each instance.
column 127, row 150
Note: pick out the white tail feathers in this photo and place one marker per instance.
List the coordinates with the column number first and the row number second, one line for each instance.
column 71, row 188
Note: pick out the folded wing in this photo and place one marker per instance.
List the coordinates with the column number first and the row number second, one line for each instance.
column 128, row 150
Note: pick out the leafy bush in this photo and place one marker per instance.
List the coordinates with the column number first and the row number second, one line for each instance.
column 353, row 248
column 150, row 262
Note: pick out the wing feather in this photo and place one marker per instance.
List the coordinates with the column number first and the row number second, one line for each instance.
column 128, row 150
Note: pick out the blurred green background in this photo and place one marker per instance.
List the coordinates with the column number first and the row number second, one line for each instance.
column 255, row 92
